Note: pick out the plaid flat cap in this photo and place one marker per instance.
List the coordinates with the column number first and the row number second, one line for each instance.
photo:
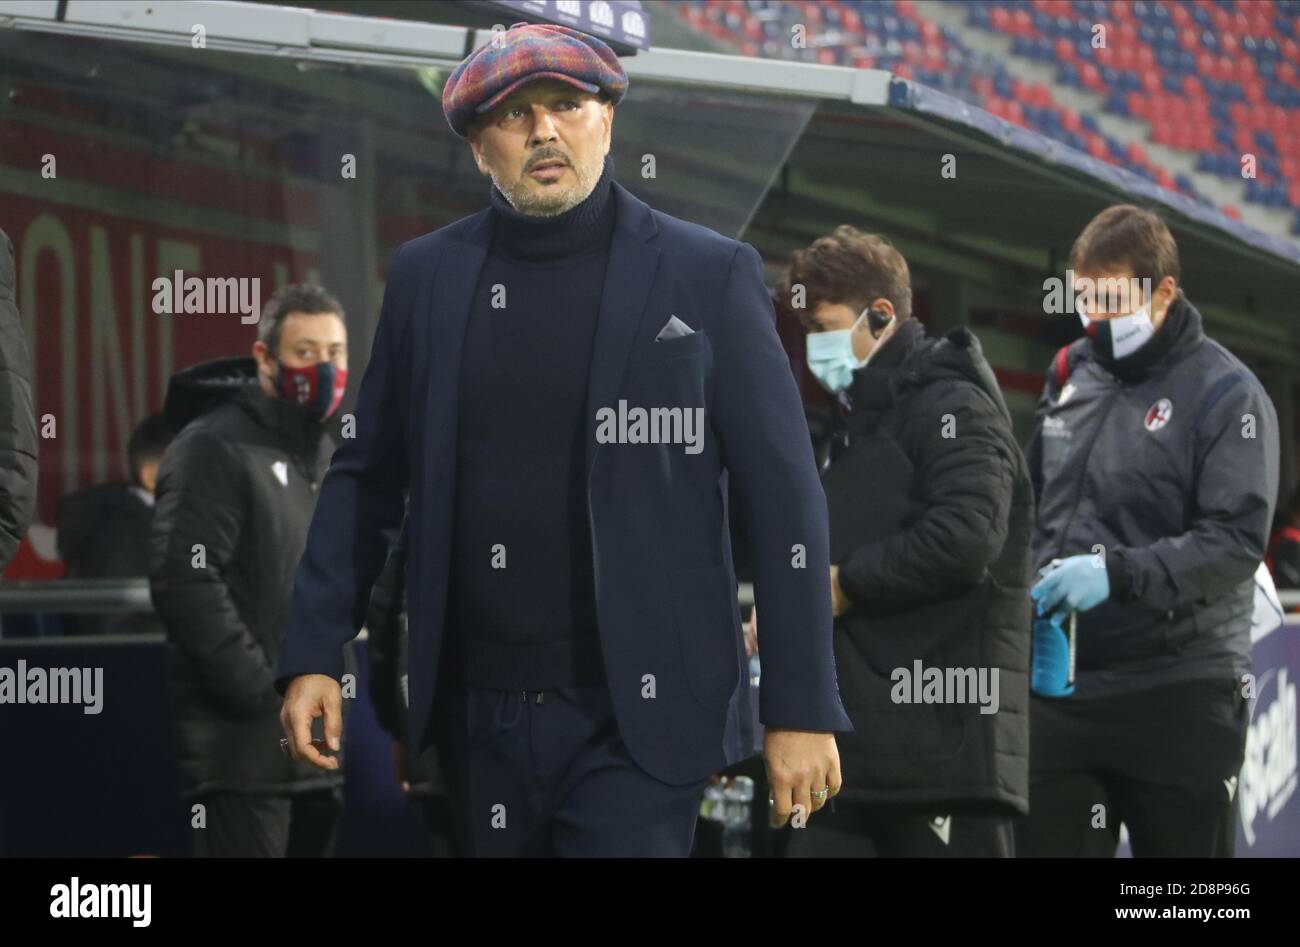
column 521, row 54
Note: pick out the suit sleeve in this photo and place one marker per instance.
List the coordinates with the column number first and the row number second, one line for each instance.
column 759, row 421
column 384, row 623
column 965, row 484
column 17, row 417
column 1235, row 491
column 199, row 504
column 360, row 506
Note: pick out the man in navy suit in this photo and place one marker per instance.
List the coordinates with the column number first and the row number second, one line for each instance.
column 571, row 386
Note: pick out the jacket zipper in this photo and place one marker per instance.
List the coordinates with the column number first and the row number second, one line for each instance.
column 1083, row 473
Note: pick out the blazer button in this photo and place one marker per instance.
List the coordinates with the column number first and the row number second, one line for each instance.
column 1169, row 614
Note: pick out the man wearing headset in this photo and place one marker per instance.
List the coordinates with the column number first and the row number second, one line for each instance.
column 930, row 517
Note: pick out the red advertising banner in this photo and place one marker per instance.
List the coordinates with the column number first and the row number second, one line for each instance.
column 101, row 355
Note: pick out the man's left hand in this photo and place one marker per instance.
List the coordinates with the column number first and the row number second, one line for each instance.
column 839, row 601
column 800, row 763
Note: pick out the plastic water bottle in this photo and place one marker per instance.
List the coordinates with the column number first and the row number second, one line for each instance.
column 713, row 804
column 1052, row 673
column 736, row 824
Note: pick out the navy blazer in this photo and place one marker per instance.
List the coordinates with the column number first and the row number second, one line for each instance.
column 665, row 585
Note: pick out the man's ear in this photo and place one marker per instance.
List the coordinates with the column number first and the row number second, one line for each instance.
column 609, row 125
column 476, row 149
column 262, row 355
column 1166, row 292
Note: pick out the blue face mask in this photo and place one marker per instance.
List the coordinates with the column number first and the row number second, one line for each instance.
column 831, row 358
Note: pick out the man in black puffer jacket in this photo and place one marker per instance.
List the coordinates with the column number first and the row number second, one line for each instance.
column 931, row 511
column 236, row 493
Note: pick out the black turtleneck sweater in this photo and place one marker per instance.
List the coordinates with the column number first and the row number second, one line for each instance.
column 522, row 597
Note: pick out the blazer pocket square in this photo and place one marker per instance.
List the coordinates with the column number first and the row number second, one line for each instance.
column 674, row 328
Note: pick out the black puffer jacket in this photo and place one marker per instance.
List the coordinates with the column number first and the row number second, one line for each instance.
column 931, row 511
column 241, row 481
column 17, row 419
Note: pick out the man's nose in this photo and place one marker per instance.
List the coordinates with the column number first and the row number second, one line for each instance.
column 543, row 124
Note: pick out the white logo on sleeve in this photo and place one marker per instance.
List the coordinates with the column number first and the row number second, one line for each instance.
column 281, row 471
column 941, row 825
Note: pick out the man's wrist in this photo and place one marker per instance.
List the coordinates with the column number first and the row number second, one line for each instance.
column 1119, row 574
column 843, row 586
column 837, row 590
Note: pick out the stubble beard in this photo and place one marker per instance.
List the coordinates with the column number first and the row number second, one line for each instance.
column 549, row 200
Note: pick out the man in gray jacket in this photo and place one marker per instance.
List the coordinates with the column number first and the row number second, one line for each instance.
column 17, row 419
column 1155, row 466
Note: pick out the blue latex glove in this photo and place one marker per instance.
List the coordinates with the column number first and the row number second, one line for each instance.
column 1079, row 582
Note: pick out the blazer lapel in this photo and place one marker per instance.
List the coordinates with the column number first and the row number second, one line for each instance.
column 628, row 277
column 451, row 301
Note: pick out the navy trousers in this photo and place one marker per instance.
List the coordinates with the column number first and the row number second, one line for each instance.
column 545, row 773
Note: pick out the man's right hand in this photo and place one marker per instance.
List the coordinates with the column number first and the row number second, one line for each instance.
column 310, row 696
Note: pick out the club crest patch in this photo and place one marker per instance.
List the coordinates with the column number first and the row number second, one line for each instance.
column 1158, row 414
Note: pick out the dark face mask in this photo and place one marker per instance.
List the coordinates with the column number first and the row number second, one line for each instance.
column 318, row 388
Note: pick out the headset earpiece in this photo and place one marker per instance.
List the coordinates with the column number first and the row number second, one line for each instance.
column 877, row 321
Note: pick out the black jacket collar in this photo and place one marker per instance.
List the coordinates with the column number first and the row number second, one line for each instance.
column 1179, row 334
column 289, row 422
column 875, row 385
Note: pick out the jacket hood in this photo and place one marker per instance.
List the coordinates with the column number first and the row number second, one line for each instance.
column 196, row 390
column 957, row 355
column 912, row 359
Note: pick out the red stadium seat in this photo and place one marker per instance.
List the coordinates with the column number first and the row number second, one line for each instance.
column 1178, row 115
